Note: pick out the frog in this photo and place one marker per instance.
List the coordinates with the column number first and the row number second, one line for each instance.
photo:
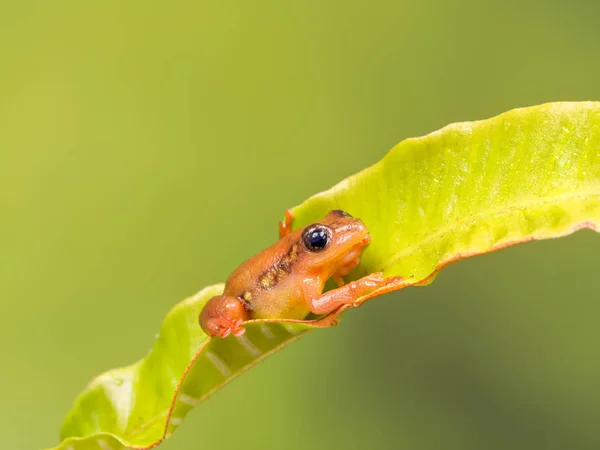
column 287, row 279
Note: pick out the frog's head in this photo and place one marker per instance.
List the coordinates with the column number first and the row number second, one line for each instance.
column 333, row 245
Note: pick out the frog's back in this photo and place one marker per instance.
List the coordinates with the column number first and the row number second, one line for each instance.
column 265, row 270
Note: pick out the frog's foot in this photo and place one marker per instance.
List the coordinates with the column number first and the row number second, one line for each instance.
column 222, row 327
column 381, row 286
column 223, row 315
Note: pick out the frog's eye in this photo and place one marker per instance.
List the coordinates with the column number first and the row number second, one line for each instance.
column 316, row 238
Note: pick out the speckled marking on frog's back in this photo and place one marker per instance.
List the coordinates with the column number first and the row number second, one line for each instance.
column 274, row 274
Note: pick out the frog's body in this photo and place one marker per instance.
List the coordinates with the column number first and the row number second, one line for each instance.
column 287, row 279
column 268, row 282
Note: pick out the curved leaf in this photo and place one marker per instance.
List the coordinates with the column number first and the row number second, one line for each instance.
column 137, row 406
column 468, row 189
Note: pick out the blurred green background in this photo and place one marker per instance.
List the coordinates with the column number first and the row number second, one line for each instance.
column 147, row 148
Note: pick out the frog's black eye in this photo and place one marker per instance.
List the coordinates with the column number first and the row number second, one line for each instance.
column 316, row 238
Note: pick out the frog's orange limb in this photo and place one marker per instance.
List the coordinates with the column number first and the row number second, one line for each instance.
column 339, row 280
column 222, row 315
column 285, row 226
column 349, row 293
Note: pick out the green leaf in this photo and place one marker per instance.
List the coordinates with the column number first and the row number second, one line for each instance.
column 468, row 189
column 138, row 405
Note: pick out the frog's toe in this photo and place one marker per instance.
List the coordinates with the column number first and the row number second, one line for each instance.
column 224, row 332
column 237, row 330
column 393, row 280
column 225, row 327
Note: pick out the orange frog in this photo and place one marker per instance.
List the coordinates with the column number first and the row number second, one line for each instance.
column 286, row 280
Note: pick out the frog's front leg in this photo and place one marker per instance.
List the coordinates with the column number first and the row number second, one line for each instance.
column 223, row 315
column 347, row 294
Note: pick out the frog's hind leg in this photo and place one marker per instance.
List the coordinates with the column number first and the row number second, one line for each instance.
column 222, row 315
